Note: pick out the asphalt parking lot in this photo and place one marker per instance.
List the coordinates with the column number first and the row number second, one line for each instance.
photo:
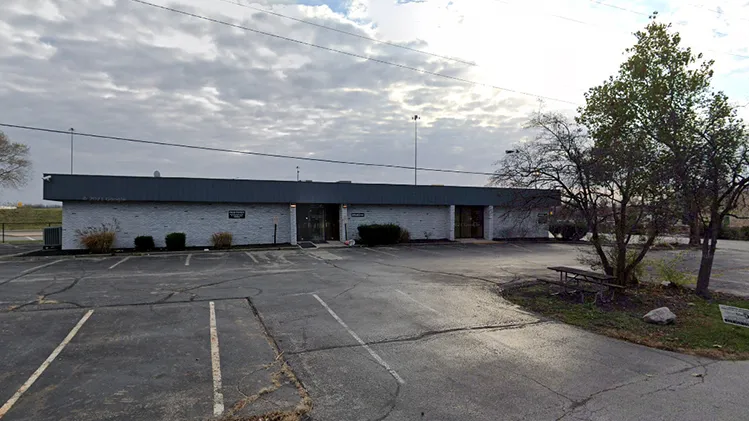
column 396, row 333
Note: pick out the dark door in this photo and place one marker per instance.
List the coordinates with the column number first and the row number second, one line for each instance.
column 469, row 222
column 310, row 223
column 317, row 222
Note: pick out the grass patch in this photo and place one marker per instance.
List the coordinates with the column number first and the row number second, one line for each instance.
column 30, row 218
column 699, row 328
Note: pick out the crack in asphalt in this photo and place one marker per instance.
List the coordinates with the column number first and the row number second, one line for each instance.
column 28, row 272
column 209, row 284
column 305, row 402
column 433, row 272
column 365, row 275
column 671, row 387
column 138, row 304
column 42, row 297
column 392, row 403
column 423, row 335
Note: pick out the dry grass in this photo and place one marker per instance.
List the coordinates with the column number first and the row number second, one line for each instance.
column 699, row 328
column 221, row 240
column 98, row 242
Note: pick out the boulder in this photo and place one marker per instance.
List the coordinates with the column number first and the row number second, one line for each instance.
column 661, row 316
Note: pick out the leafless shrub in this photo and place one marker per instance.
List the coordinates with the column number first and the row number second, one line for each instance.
column 221, row 240
column 98, row 239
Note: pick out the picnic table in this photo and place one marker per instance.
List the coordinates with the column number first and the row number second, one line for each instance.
column 568, row 275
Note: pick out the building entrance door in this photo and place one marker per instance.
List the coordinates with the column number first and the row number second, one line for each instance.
column 317, row 222
column 469, row 222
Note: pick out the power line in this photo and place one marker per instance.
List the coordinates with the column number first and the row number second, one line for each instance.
column 613, row 6
column 309, row 44
column 624, row 9
column 281, row 15
column 236, row 151
column 716, row 11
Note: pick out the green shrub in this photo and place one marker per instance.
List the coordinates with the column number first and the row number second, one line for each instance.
column 405, row 236
column 175, row 241
column 377, row 234
column 568, row 230
column 668, row 269
column 98, row 239
column 221, row 240
column 144, row 243
column 734, row 233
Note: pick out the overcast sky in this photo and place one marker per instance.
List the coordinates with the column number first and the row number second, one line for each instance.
column 116, row 67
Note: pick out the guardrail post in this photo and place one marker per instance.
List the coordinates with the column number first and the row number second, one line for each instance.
column 3, row 232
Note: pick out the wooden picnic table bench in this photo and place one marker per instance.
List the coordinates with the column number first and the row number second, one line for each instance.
column 569, row 274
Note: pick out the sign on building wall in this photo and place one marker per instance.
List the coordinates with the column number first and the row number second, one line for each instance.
column 236, row 214
column 357, row 215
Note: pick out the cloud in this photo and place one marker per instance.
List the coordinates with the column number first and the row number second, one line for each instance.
column 126, row 69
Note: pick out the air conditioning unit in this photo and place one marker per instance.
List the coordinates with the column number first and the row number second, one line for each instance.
column 53, row 238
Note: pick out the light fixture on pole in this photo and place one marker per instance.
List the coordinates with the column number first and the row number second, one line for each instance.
column 416, row 119
column 72, row 130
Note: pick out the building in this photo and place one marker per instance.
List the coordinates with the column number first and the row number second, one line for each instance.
column 277, row 212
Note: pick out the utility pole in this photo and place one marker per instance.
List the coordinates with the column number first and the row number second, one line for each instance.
column 297, row 173
column 416, row 119
column 72, row 130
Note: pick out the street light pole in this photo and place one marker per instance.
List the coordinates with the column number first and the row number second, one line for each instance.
column 416, row 118
column 297, row 173
column 71, row 149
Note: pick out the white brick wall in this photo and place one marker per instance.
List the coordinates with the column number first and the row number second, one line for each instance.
column 292, row 224
column 488, row 222
column 343, row 232
column 199, row 221
column 519, row 224
column 418, row 220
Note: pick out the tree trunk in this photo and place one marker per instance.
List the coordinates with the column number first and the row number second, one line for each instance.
column 596, row 240
column 708, row 253
column 694, row 228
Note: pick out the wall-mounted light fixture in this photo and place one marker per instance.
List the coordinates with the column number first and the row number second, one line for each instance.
column 293, row 205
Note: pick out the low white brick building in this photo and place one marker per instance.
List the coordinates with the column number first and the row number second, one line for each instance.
column 284, row 212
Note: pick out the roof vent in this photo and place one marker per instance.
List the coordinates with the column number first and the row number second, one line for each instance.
column 344, row 181
column 157, row 174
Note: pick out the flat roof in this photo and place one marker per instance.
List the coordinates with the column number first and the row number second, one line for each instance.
column 110, row 188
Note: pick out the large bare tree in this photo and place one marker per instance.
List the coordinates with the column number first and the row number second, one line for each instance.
column 15, row 166
column 606, row 183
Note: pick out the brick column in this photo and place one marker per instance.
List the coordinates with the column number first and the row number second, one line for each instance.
column 452, row 223
column 343, row 223
column 292, row 225
column 489, row 223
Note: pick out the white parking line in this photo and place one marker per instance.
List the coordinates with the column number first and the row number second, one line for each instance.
column 187, row 261
column 40, row 267
column 121, row 261
column 31, row 238
column 362, row 343
column 323, row 255
column 381, row 252
column 251, row 256
column 279, row 256
column 218, row 396
column 9, row 404
column 421, row 249
column 412, row 299
column 521, row 247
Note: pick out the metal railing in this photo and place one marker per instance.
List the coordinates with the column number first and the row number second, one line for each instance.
column 11, row 228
